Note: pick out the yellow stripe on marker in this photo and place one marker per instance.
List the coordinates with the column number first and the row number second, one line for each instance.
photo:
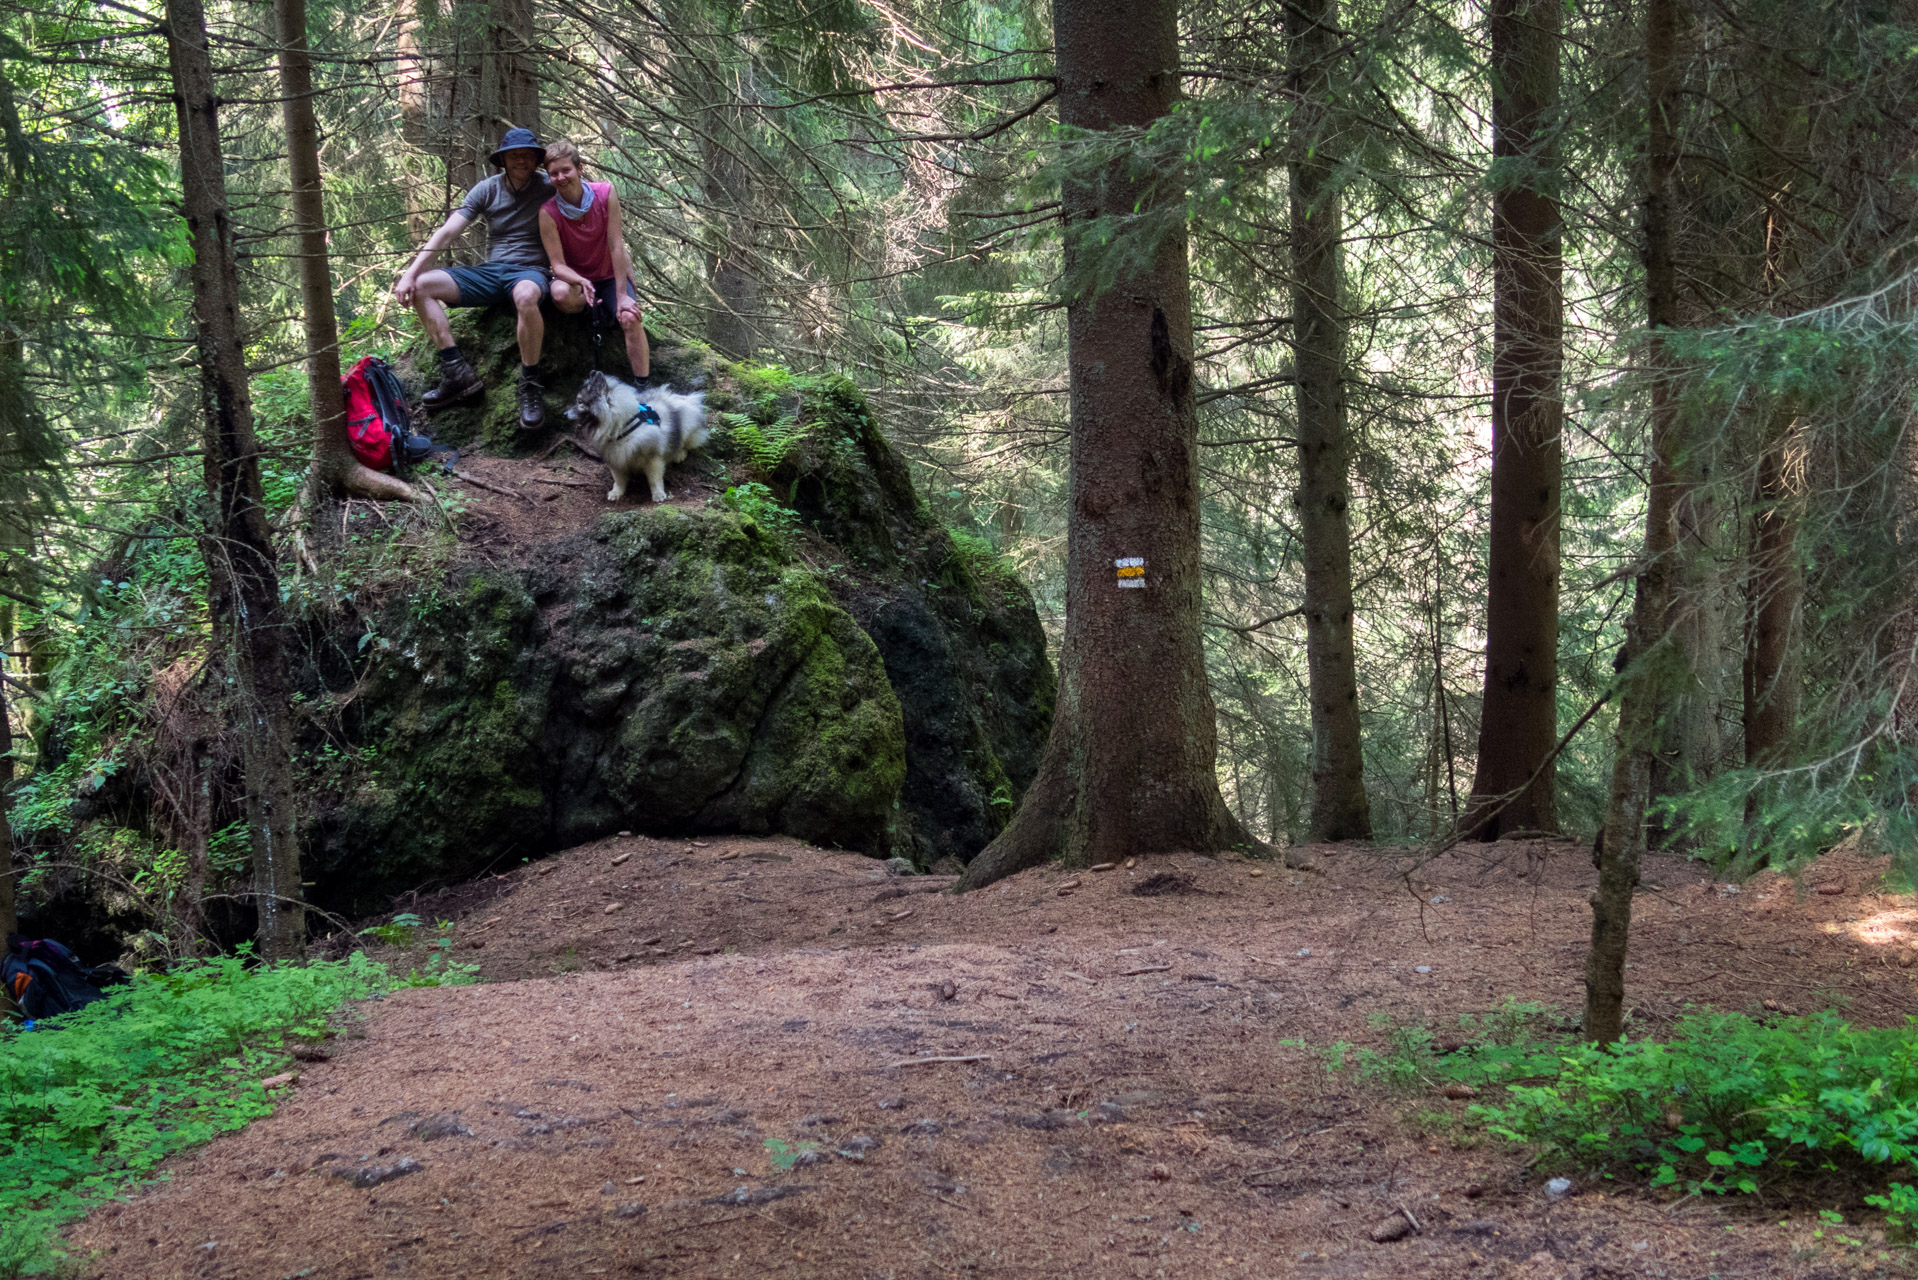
column 1131, row 571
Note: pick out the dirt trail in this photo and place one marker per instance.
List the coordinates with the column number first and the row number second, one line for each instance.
column 669, row 1023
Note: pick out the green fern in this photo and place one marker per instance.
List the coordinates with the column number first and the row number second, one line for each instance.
column 767, row 445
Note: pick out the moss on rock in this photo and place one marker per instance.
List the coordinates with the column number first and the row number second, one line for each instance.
column 961, row 641
column 671, row 671
column 688, row 669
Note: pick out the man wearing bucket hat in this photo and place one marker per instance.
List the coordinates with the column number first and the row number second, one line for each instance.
column 515, row 269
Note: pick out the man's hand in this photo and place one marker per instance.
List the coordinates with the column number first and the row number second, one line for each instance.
column 587, row 291
column 628, row 307
column 406, row 286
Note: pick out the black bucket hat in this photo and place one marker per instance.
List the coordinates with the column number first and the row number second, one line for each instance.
column 515, row 140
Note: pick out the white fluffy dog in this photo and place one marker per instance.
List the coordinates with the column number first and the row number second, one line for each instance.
column 638, row 430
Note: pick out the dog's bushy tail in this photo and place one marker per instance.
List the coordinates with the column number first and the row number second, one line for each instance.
column 683, row 418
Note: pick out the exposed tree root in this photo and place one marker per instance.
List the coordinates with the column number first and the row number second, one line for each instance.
column 359, row 481
column 1036, row 833
column 1055, row 822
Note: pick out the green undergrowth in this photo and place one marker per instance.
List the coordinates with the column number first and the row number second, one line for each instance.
column 92, row 1102
column 1725, row 1104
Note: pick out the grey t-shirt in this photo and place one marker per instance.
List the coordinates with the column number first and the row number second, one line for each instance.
column 512, row 218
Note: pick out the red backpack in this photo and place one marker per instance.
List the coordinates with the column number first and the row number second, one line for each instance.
column 376, row 417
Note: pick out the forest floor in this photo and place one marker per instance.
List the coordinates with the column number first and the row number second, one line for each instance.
column 721, row 1058
column 520, row 501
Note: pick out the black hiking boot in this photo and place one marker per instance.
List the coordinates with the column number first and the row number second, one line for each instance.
column 459, row 381
column 532, row 405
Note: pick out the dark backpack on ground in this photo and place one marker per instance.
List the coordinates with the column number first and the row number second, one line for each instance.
column 377, row 423
column 44, row 979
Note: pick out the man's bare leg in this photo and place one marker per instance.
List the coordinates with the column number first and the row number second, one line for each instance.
column 458, row 379
column 532, row 336
column 532, row 325
column 434, row 291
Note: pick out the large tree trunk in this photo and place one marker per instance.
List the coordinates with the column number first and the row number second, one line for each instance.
column 1646, row 678
column 733, row 318
column 516, row 65
column 466, row 107
column 1518, row 727
column 1129, row 767
column 1775, row 588
column 1340, row 810
column 334, row 466
column 9, row 911
column 422, row 117
column 244, row 588
column 1703, row 627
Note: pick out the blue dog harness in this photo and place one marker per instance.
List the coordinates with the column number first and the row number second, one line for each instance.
column 646, row 414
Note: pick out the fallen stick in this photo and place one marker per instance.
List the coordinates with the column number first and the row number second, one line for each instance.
column 1080, row 976
column 1150, row 968
column 487, row 485
column 964, row 1057
column 570, row 484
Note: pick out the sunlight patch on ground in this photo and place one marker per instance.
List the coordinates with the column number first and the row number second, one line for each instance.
column 1884, row 929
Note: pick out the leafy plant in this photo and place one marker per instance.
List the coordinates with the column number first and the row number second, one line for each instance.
column 766, row 444
column 784, row 1155
column 1728, row 1101
column 441, row 970
column 1723, row 1106
column 756, row 502
column 1501, row 1046
column 92, row 1101
column 397, row 932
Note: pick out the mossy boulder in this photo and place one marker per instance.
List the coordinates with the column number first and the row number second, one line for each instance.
column 961, row 640
column 670, row 671
column 808, row 653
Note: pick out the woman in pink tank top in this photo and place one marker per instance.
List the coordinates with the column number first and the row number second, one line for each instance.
column 584, row 243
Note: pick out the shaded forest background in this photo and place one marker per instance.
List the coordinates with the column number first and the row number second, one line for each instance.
column 875, row 190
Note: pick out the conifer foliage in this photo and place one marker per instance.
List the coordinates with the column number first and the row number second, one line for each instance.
column 1506, row 412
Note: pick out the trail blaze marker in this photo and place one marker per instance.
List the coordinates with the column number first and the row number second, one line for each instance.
column 1131, row 570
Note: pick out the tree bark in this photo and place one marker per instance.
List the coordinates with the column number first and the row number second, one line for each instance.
column 9, row 910
column 1129, row 766
column 1518, row 727
column 243, row 582
column 512, row 31
column 1775, row 591
column 422, row 124
column 732, row 324
column 334, row 466
column 1340, row 810
column 1645, row 681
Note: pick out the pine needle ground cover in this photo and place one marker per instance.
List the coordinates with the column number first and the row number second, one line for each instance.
column 92, row 1102
column 1725, row 1104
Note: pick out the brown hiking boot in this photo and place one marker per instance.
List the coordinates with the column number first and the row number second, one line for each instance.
column 532, row 405
column 458, row 381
